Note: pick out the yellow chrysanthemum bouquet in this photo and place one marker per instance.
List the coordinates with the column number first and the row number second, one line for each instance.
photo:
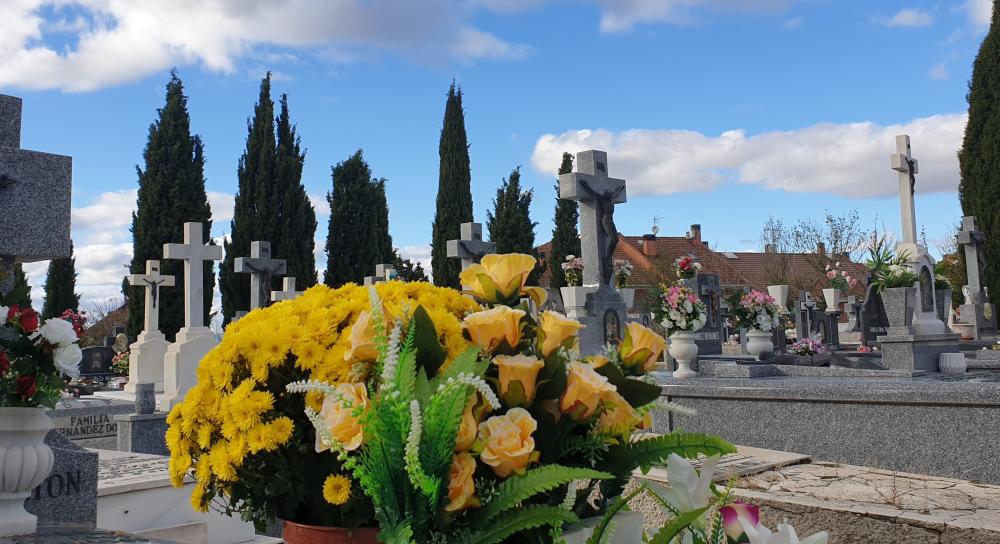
column 246, row 440
column 508, row 441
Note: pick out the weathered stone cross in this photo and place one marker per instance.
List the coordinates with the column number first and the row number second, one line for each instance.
column 904, row 163
column 288, row 291
column 470, row 246
column 383, row 272
column 152, row 280
column 193, row 252
column 972, row 239
column 597, row 194
column 260, row 266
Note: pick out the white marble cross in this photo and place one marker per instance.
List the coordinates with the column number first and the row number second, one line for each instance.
column 904, row 163
column 194, row 253
column 152, row 280
column 470, row 246
column 260, row 266
column 597, row 194
column 288, row 291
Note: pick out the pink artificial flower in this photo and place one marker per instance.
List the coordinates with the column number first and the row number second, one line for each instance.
column 844, row 273
column 731, row 514
column 831, row 274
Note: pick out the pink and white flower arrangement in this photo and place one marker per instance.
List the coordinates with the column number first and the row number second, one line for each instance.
column 839, row 278
column 573, row 270
column 808, row 346
column 680, row 309
column 758, row 311
column 623, row 271
column 686, row 267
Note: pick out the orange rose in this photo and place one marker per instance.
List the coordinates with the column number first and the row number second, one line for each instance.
column 507, row 442
column 619, row 418
column 596, row 361
column 492, row 328
column 555, row 330
column 467, row 431
column 641, row 347
column 585, row 389
column 521, row 370
column 461, row 488
column 500, row 278
column 338, row 416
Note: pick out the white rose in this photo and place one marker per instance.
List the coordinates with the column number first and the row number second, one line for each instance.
column 58, row 332
column 687, row 306
column 67, row 359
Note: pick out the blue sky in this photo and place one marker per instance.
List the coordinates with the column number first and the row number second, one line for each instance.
column 715, row 111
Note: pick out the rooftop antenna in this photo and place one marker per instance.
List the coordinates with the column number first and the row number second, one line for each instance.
column 656, row 228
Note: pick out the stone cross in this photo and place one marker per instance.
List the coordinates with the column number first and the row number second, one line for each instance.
column 597, row 194
column 193, row 252
column 904, row 163
column 288, row 291
column 972, row 240
column 35, row 194
column 152, row 280
column 260, row 266
column 383, row 273
column 470, row 246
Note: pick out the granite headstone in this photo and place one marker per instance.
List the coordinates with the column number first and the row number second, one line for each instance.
column 68, row 497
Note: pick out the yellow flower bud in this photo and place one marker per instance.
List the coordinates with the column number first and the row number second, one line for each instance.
column 500, row 278
column 521, row 372
column 492, row 328
column 641, row 347
column 555, row 330
column 338, row 416
column 585, row 389
column 461, row 488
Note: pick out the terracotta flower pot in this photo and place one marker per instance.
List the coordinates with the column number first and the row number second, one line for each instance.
column 297, row 533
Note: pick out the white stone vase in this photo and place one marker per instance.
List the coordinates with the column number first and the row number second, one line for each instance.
column 684, row 350
column 574, row 299
column 628, row 529
column 832, row 298
column 628, row 296
column 952, row 363
column 25, row 462
column 759, row 342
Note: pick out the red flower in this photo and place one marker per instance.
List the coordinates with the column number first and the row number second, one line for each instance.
column 29, row 320
column 25, row 387
column 4, row 363
column 13, row 311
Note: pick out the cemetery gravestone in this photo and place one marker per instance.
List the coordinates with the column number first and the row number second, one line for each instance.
column 874, row 322
column 87, row 417
column 288, row 291
column 68, row 497
column 149, row 349
column 194, row 340
column 597, row 194
column 709, row 338
column 976, row 310
column 261, row 267
column 470, row 247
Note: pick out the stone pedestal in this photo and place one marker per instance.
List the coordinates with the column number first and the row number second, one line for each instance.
column 146, row 360
column 180, row 364
column 143, row 433
column 605, row 320
column 916, row 352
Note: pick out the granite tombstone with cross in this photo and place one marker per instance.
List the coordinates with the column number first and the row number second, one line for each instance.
column 194, row 340
column 976, row 310
column 35, row 194
column 147, row 353
column 383, row 272
column 918, row 347
column 597, row 194
column 261, row 267
column 470, row 247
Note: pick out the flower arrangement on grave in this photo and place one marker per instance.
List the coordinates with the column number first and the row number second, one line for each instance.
column 247, row 442
column 887, row 269
column 807, row 346
column 839, row 278
column 623, row 271
column 679, row 309
column 686, row 267
column 573, row 271
column 119, row 363
column 896, row 275
column 34, row 356
column 511, row 437
column 755, row 310
column 701, row 512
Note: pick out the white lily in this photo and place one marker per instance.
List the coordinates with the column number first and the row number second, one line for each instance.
column 686, row 489
column 786, row 534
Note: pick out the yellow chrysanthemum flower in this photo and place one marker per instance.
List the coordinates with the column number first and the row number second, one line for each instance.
column 337, row 489
column 198, row 501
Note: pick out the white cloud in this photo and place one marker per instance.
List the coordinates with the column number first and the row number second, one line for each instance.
column 119, row 41
column 623, row 15
column 850, row 159
column 510, row 6
column 108, row 213
column 980, row 12
column 222, row 205
column 794, row 22
column 908, row 17
column 939, row 71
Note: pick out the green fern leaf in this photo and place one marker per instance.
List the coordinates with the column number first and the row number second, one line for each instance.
column 516, row 489
column 676, row 525
column 598, row 536
column 522, row 519
column 397, row 534
column 643, row 454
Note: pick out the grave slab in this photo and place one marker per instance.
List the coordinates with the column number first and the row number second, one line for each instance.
column 88, row 417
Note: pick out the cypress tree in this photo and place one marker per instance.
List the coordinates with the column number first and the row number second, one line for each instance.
column 510, row 227
column 407, row 269
column 565, row 238
column 60, row 288
column 979, row 158
column 171, row 193
column 295, row 239
column 20, row 294
column 253, row 215
column 454, row 196
column 358, row 233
